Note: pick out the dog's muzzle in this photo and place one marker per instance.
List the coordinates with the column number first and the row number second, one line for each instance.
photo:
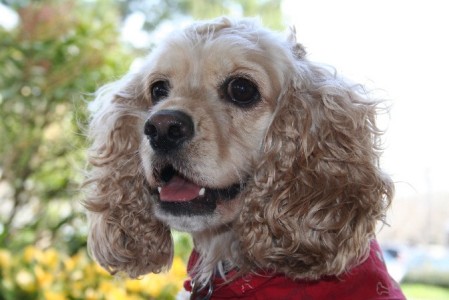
column 177, row 193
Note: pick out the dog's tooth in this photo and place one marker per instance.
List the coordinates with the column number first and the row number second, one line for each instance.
column 202, row 192
column 159, row 189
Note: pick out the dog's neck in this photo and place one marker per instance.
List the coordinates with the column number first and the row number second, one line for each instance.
column 218, row 253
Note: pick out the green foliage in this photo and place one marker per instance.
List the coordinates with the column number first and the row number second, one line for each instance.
column 49, row 63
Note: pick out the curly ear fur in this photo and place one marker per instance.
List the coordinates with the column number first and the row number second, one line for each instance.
column 124, row 235
column 318, row 191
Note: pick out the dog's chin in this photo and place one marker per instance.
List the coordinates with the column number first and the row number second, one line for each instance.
column 187, row 206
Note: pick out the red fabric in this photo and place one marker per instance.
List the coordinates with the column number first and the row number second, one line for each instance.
column 368, row 281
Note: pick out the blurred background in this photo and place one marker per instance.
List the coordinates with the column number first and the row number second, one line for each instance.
column 55, row 54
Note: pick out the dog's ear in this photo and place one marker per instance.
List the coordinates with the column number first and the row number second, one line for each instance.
column 124, row 235
column 317, row 192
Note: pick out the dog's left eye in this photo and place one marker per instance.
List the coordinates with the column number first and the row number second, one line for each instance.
column 159, row 90
column 242, row 91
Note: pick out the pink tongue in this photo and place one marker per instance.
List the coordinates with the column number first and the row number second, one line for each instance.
column 178, row 190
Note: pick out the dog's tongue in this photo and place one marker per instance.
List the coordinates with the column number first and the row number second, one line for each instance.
column 178, row 190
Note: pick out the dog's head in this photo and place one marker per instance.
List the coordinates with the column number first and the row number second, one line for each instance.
column 212, row 93
column 228, row 125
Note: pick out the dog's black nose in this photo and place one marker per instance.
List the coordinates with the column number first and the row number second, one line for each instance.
column 167, row 130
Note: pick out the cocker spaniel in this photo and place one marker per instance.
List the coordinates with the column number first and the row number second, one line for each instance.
column 269, row 161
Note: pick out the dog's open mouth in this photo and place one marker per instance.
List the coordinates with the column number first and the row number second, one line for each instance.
column 179, row 195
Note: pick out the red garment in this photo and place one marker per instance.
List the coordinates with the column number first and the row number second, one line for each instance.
column 368, row 281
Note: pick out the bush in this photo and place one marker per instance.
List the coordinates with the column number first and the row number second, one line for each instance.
column 48, row 274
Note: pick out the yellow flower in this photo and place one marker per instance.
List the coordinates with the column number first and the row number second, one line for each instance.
column 106, row 287
column 75, row 263
column 134, row 297
column 133, row 285
column 26, row 281
column 117, row 293
column 154, row 284
column 100, row 270
column 91, row 294
column 50, row 258
column 44, row 279
column 77, row 288
column 178, row 269
column 89, row 273
column 70, row 264
column 52, row 295
column 31, row 253
column 5, row 259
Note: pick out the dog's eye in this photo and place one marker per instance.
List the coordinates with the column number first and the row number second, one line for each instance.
column 242, row 91
column 159, row 90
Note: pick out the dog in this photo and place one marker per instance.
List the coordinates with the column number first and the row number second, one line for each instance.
column 270, row 162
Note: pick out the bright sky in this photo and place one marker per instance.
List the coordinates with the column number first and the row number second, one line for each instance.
column 402, row 48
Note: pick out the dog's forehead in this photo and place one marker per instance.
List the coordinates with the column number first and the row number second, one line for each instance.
column 197, row 59
column 184, row 55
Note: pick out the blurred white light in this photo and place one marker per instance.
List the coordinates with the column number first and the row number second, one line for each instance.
column 9, row 19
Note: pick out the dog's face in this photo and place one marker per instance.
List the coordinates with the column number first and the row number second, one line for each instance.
column 212, row 102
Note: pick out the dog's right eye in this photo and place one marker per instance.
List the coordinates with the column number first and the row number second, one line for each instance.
column 159, row 90
column 241, row 91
